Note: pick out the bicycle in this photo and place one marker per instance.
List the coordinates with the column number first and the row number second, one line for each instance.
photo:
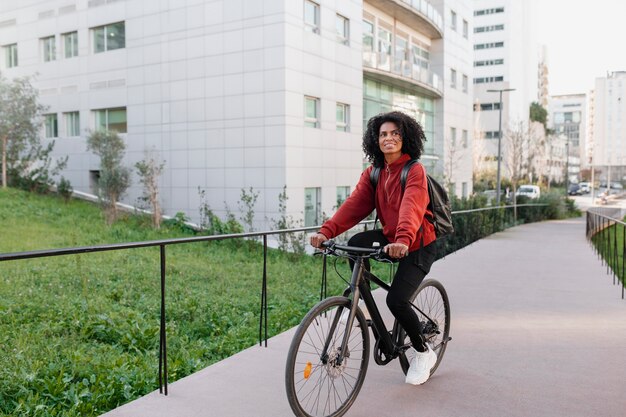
column 329, row 353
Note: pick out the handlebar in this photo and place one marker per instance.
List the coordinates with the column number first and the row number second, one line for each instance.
column 377, row 253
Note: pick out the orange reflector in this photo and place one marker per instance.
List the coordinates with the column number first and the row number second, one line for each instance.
column 307, row 370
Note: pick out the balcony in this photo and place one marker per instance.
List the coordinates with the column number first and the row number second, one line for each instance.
column 418, row 14
column 386, row 67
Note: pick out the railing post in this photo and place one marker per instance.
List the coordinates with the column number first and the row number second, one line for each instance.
column 623, row 255
column 263, row 318
column 324, row 284
column 615, row 260
column 163, row 338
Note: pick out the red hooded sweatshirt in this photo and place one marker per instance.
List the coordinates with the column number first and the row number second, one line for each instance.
column 401, row 215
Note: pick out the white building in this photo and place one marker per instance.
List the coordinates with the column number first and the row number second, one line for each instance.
column 234, row 94
column 504, row 58
column 609, row 133
column 567, row 116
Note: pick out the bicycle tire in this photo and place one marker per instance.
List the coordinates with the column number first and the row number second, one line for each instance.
column 327, row 390
column 430, row 297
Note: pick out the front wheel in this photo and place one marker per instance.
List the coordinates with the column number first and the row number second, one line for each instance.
column 317, row 382
column 433, row 311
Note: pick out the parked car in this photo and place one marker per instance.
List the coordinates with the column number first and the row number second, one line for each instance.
column 530, row 191
column 585, row 187
column 574, row 189
column 491, row 196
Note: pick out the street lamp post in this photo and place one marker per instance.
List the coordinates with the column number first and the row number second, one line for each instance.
column 499, row 141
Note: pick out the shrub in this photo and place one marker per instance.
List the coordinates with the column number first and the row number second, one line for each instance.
column 64, row 189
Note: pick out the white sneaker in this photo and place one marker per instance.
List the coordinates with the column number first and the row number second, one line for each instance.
column 346, row 313
column 421, row 364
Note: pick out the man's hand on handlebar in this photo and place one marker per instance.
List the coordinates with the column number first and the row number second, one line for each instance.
column 396, row 250
column 317, row 239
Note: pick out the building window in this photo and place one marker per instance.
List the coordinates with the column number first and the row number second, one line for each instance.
column 465, row 83
column 312, row 16
column 453, row 136
column 489, row 106
column 488, row 28
column 464, row 190
column 72, row 123
column 465, row 29
column 10, row 53
column 489, row 11
column 342, row 26
column 384, row 48
column 109, row 37
column 488, row 79
column 453, row 20
column 70, row 44
column 312, row 206
column 494, row 134
column 342, row 194
column 311, row 111
column 94, row 181
column 488, row 62
column 464, row 138
column 489, row 45
column 343, row 117
column 48, row 47
column 452, row 78
column 111, row 119
column 52, row 125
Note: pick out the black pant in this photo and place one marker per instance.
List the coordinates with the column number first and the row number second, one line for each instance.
column 410, row 273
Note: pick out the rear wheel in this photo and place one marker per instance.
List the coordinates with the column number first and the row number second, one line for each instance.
column 318, row 384
column 431, row 298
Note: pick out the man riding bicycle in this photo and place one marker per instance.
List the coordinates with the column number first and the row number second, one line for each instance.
column 392, row 139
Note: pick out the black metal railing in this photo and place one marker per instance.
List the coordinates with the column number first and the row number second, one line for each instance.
column 498, row 218
column 605, row 232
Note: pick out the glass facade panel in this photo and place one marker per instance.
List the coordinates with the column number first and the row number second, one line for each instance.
column 109, row 37
column 49, row 48
column 117, row 120
column 342, row 26
column 342, row 194
column 312, row 206
column 111, row 119
column 72, row 124
column 343, row 117
column 51, row 125
column 311, row 16
column 380, row 98
column 70, row 44
column 115, row 36
column 98, row 40
column 311, row 111
column 10, row 52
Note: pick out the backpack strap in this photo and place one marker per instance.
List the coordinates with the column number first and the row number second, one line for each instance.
column 374, row 174
column 405, row 172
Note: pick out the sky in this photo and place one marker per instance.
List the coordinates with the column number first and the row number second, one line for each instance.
column 584, row 40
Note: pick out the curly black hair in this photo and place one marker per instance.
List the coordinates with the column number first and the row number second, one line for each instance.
column 413, row 137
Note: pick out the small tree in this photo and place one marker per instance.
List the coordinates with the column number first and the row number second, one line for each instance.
column 149, row 171
column 114, row 177
column 246, row 206
column 25, row 161
column 64, row 189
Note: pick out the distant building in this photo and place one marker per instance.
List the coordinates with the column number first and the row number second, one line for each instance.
column 233, row 95
column 542, row 78
column 609, row 135
column 567, row 117
column 503, row 54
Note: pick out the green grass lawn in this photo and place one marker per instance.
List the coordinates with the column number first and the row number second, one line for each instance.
column 79, row 333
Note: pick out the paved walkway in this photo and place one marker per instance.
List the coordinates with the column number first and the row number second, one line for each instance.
column 538, row 330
